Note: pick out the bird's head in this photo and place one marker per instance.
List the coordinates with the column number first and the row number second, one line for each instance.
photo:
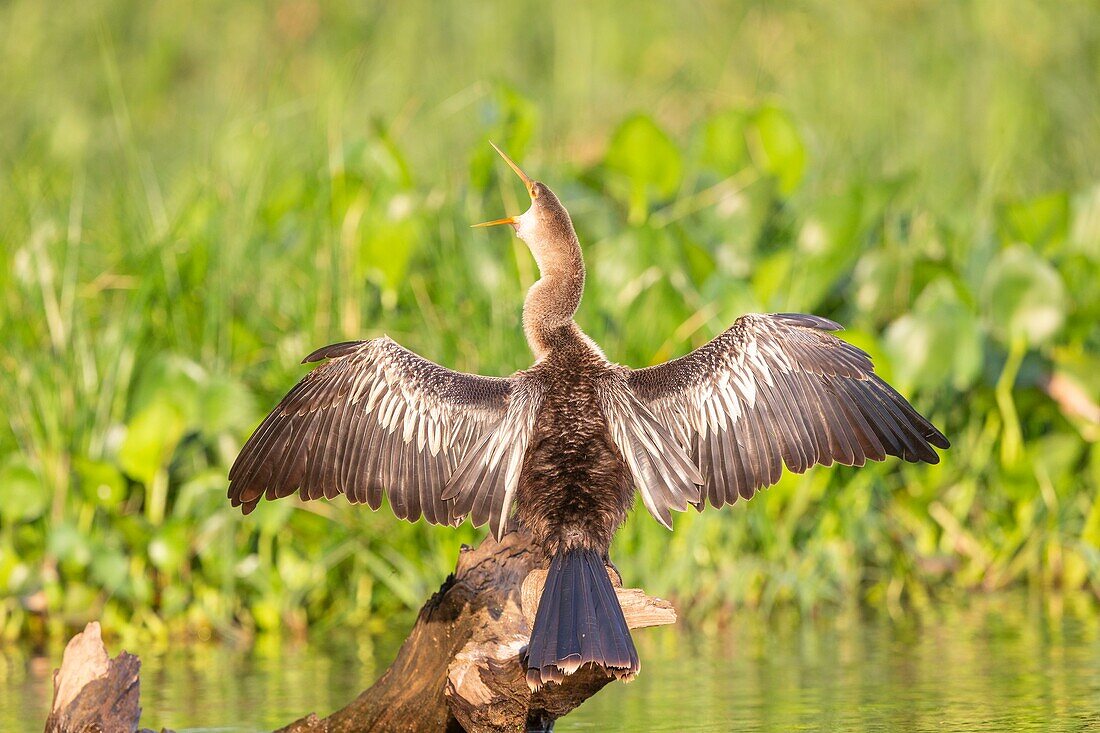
column 545, row 227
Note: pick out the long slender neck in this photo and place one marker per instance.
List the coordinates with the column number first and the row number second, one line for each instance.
column 553, row 299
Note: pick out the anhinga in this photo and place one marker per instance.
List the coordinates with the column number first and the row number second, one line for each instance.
column 559, row 448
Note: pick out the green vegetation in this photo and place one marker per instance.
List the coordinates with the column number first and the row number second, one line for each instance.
column 195, row 195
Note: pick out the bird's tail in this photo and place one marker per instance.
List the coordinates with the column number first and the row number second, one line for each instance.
column 579, row 622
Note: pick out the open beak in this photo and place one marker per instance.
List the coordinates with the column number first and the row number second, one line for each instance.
column 495, row 222
column 519, row 171
column 527, row 182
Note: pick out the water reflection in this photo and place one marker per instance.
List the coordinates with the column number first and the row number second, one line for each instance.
column 995, row 664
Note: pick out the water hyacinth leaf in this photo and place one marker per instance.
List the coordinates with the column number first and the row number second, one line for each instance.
column 168, row 549
column 771, row 279
column 699, row 261
column 110, row 568
column 643, row 164
column 1080, row 274
column 1041, row 222
column 938, row 343
column 828, row 247
column 102, row 482
column 389, row 243
column 69, row 545
column 151, row 438
column 876, row 283
column 227, row 405
column 22, row 495
column 173, row 379
column 1056, row 457
column 1084, row 234
column 724, row 142
column 1076, row 372
column 1023, row 296
column 271, row 516
column 777, row 147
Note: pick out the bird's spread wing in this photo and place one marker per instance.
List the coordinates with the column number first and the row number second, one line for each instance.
column 375, row 416
column 663, row 472
column 780, row 389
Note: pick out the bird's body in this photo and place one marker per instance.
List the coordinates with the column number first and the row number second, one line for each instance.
column 561, row 447
column 574, row 489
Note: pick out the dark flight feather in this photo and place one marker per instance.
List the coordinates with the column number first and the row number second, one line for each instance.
column 378, row 418
column 777, row 390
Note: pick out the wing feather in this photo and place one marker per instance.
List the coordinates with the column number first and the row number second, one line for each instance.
column 778, row 390
column 666, row 477
column 376, row 419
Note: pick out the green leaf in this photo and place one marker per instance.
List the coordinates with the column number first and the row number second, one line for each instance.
column 771, row 276
column 938, row 343
column 110, row 568
column 101, row 482
column 226, row 405
column 22, row 495
column 643, row 156
column 151, row 439
column 827, row 248
column 1041, row 222
column 1084, row 236
column 265, row 613
column 389, row 242
column 69, row 545
column 172, row 379
column 876, row 283
column 778, row 147
column 270, row 517
column 168, row 549
column 1023, row 295
column 724, row 142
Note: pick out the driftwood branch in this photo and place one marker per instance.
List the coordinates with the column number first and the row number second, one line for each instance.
column 460, row 668
column 93, row 693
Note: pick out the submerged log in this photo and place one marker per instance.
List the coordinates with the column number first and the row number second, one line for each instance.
column 460, row 669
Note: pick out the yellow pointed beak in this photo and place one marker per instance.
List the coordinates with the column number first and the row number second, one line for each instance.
column 527, row 182
column 519, row 171
column 495, row 222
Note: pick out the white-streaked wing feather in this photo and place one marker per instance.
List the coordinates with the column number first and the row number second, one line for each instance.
column 663, row 473
column 777, row 390
column 485, row 482
column 375, row 417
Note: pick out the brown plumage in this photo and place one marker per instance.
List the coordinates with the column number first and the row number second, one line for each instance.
column 561, row 446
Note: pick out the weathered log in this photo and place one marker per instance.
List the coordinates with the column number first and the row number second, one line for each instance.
column 93, row 693
column 460, row 669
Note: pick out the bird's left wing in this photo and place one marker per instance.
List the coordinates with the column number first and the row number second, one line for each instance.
column 780, row 389
column 375, row 416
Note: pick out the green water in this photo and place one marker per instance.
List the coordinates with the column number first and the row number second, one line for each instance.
column 994, row 664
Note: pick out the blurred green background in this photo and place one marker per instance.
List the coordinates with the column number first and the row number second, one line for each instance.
column 194, row 195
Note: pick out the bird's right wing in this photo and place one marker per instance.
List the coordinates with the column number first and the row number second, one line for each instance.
column 375, row 416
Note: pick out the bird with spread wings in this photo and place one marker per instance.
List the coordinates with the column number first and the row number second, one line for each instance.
column 562, row 447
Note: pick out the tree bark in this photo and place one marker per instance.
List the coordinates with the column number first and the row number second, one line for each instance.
column 91, row 692
column 460, row 669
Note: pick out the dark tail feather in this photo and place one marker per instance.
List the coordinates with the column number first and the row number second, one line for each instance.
column 579, row 622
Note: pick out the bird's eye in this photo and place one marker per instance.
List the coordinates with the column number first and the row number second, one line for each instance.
column 535, row 191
